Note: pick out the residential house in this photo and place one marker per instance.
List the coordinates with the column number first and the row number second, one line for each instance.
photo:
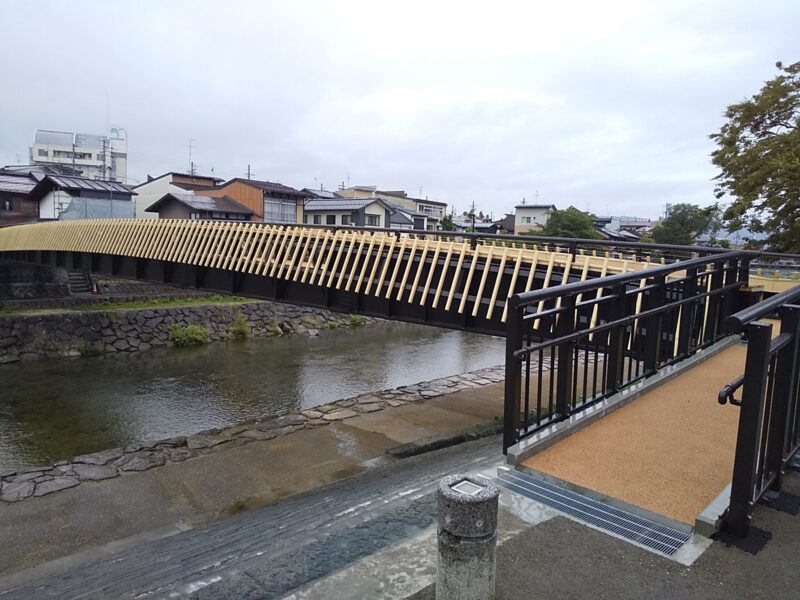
column 405, row 218
column 434, row 210
column 270, row 202
column 62, row 198
column 93, row 156
column 506, row 224
column 367, row 212
column 156, row 188
column 320, row 193
column 191, row 206
column 15, row 207
column 531, row 217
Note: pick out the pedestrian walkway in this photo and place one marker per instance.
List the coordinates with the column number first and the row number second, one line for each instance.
column 670, row 451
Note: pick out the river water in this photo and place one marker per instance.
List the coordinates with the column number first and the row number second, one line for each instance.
column 56, row 409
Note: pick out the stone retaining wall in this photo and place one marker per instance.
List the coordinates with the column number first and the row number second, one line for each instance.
column 91, row 333
column 20, row 281
column 106, row 464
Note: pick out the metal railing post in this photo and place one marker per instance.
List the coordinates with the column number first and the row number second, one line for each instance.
column 513, row 383
column 687, row 312
column 565, row 354
column 616, row 342
column 655, row 326
column 784, row 397
column 759, row 336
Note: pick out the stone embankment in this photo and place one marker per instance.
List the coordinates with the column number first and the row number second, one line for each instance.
column 94, row 332
column 116, row 462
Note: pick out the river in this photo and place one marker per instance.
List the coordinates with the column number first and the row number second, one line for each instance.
column 56, row 409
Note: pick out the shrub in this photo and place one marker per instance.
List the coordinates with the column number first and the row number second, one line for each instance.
column 189, row 335
column 356, row 320
column 240, row 329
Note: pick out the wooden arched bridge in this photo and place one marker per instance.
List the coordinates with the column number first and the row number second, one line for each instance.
column 451, row 280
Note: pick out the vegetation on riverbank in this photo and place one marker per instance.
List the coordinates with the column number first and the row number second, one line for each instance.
column 130, row 305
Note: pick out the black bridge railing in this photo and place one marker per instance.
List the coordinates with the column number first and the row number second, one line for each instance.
column 570, row 346
column 769, row 421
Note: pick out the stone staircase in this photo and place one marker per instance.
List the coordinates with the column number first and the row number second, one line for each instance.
column 79, row 283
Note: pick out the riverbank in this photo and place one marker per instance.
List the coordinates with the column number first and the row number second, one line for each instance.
column 110, row 328
column 39, row 481
column 233, row 471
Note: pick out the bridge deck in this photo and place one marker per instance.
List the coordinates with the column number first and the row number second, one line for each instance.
column 670, row 451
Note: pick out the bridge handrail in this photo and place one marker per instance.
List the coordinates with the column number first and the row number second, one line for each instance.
column 528, row 298
column 571, row 346
column 564, row 241
column 738, row 321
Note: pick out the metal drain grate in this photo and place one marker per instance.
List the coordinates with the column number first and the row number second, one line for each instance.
column 640, row 530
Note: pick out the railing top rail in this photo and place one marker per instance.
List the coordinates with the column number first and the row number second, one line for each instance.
column 564, row 241
column 526, row 298
column 737, row 322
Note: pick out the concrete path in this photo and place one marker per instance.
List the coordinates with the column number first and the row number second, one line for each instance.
column 267, row 552
column 109, row 516
column 566, row 560
column 670, row 451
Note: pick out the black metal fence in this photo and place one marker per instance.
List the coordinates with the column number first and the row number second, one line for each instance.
column 570, row 346
column 769, row 421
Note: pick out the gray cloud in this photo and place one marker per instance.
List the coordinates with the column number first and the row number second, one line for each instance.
column 599, row 105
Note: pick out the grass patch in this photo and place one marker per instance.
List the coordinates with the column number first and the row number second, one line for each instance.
column 356, row 320
column 160, row 303
column 240, row 329
column 111, row 305
column 189, row 335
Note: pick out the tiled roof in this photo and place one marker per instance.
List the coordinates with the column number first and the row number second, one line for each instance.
column 16, row 184
column 204, row 203
column 78, row 184
column 270, row 186
column 341, row 204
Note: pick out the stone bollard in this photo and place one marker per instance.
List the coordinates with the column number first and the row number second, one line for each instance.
column 467, row 513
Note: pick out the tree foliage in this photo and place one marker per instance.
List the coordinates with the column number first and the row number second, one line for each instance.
column 684, row 222
column 571, row 223
column 758, row 154
column 447, row 223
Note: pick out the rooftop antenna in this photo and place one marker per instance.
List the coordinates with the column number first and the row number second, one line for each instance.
column 347, row 175
column 248, row 171
column 191, row 164
column 523, row 201
column 536, row 196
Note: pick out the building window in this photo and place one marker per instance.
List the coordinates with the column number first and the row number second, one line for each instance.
column 317, row 219
column 277, row 210
column 305, row 219
column 42, row 152
column 346, row 220
column 330, row 219
column 373, row 220
column 526, row 220
column 5, row 204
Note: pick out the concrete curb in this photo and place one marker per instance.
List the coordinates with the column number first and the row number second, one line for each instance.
column 709, row 521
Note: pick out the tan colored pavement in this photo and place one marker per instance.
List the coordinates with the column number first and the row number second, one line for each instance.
column 670, row 451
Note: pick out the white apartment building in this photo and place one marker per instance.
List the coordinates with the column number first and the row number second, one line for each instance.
column 94, row 156
column 531, row 217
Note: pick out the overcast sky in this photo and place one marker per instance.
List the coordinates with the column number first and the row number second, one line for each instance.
column 605, row 106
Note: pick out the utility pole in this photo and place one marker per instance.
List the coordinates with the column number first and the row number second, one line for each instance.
column 248, row 171
column 472, row 214
column 105, row 144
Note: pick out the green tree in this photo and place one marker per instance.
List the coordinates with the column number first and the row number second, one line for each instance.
column 571, row 223
column 447, row 223
column 758, row 154
column 684, row 222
